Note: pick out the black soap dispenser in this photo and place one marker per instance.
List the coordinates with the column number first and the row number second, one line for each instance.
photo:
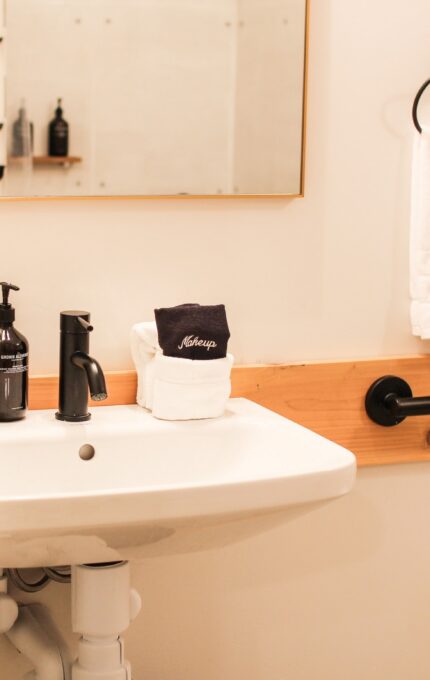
column 58, row 134
column 13, row 362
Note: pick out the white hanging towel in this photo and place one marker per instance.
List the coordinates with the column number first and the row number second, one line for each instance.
column 419, row 252
column 174, row 388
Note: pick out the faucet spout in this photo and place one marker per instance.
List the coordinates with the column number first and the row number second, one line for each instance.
column 95, row 375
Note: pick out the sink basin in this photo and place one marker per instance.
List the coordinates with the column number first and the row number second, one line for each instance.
column 150, row 480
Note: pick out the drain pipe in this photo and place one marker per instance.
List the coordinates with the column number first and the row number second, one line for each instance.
column 103, row 606
column 8, row 606
column 28, row 636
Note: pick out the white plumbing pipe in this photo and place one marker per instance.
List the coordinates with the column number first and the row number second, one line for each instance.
column 8, row 606
column 30, row 638
column 103, row 605
column 27, row 629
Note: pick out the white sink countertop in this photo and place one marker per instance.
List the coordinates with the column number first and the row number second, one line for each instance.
column 148, row 475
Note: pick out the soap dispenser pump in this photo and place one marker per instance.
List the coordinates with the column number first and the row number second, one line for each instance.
column 13, row 362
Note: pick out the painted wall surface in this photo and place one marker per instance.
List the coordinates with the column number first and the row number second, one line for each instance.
column 344, row 590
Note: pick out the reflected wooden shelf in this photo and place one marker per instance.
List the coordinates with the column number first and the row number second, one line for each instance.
column 62, row 161
column 56, row 160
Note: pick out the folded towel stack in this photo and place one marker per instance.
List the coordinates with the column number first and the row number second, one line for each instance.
column 183, row 368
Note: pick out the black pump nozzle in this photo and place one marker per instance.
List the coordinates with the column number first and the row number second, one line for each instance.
column 6, row 288
column 7, row 312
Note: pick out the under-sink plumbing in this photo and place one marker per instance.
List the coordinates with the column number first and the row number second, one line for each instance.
column 29, row 635
column 103, row 606
column 58, row 574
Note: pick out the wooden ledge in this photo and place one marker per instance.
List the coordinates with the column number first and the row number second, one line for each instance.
column 328, row 398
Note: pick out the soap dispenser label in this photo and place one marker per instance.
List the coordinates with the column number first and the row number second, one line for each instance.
column 14, row 363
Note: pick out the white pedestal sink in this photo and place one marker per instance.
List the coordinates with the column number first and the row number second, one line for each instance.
column 152, row 485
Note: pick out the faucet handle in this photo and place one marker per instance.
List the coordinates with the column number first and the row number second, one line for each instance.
column 85, row 325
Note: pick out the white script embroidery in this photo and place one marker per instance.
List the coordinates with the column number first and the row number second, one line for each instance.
column 194, row 341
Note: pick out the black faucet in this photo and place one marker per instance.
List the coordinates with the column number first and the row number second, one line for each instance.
column 78, row 371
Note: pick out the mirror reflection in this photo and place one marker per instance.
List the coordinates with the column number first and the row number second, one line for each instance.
column 153, row 97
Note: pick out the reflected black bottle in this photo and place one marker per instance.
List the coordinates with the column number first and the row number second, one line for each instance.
column 13, row 362
column 58, row 134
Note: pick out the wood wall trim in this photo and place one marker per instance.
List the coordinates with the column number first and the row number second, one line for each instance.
column 326, row 397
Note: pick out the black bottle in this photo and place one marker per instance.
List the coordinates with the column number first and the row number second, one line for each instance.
column 13, row 362
column 58, row 134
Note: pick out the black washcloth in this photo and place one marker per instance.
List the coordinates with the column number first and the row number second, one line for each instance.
column 193, row 331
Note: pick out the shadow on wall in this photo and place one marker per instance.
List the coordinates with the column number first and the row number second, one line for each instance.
column 252, row 608
column 337, row 541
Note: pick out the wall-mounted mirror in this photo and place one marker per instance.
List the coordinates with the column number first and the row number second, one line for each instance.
column 160, row 97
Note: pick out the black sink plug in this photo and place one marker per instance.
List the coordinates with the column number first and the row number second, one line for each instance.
column 78, row 371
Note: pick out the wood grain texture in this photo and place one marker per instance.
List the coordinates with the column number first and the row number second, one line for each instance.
column 56, row 160
column 149, row 197
column 328, row 398
column 47, row 160
column 121, row 386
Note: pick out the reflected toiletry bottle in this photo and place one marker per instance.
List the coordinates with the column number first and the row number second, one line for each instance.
column 22, row 134
column 13, row 362
column 58, row 134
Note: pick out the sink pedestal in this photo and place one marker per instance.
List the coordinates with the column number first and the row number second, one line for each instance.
column 103, row 606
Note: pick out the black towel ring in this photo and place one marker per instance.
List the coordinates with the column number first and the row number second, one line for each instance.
column 415, row 105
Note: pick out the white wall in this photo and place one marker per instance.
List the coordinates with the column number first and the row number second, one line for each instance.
column 342, row 592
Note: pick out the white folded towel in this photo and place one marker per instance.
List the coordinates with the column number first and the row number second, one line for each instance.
column 174, row 388
column 419, row 252
column 190, row 389
column 144, row 346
